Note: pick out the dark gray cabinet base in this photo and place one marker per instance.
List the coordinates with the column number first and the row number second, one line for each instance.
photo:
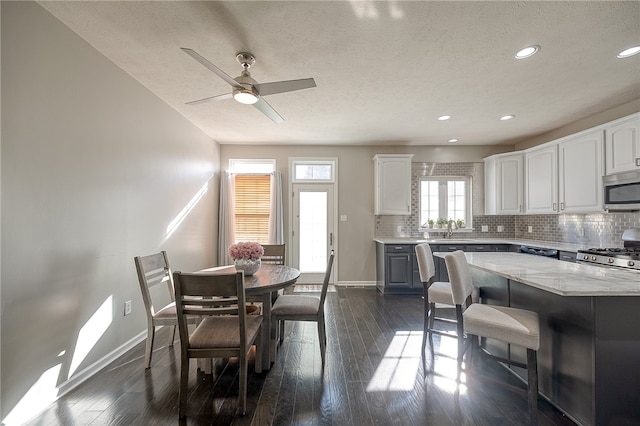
column 589, row 357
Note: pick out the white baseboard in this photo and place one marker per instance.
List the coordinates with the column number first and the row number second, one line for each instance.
column 86, row 373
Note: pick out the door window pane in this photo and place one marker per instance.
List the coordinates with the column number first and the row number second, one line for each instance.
column 313, row 231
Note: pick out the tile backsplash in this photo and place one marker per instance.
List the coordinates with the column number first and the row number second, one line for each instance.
column 594, row 229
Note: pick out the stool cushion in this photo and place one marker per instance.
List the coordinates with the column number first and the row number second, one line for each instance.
column 440, row 292
column 511, row 325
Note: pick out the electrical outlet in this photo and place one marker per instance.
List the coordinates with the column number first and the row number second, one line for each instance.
column 530, row 229
column 485, row 228
column 127, row 307
column 581, row 232
column 500, row 228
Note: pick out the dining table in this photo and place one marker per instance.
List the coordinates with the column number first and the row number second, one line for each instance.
column 263, row 286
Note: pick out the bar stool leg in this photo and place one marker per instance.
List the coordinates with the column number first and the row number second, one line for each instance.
column 532, row 373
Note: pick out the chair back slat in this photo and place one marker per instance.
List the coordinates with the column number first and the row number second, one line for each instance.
column 274, row 254
column 327, row 277
column 210, row 294
column 153, row 270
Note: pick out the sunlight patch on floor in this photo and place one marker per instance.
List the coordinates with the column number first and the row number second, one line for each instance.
column 401, row 363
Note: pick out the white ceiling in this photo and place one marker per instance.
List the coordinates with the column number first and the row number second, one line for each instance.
column 385, row 70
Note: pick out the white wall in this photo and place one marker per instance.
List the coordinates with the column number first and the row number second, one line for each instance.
column 94, row 170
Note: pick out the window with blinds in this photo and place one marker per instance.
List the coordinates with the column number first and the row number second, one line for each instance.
column 253, row 205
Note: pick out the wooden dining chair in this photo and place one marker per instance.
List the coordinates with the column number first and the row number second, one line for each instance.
column 154, row 270
column 223, row 330
column 274, row 254
column 294, row 307
column 511, row 325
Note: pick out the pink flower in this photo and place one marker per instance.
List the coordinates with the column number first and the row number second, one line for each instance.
column 246, row 250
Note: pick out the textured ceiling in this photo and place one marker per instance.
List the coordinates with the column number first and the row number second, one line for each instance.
column 384, row 70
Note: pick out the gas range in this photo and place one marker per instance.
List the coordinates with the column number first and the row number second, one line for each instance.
column 627, row 257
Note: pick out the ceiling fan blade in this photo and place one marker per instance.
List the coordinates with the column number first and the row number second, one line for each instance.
column 284, row 86
column 268, row 110
column 211, row 98
column 209, row 65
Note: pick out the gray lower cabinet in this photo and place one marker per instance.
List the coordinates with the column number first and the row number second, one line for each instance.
column 397, row 269
column 397, row 266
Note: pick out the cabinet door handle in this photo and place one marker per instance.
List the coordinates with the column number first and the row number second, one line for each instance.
column 398, row 248
column 554, row 206
column 637, row 161
column 562, row 206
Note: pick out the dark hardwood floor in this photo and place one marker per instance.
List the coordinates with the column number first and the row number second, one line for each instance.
column 373, row 375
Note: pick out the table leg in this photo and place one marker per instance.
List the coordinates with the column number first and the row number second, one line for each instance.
column 266, row 331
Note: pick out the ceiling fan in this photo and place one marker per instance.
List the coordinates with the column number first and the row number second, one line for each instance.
column 245, row 89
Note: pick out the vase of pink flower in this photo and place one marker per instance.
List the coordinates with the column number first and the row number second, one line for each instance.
column 246, row 256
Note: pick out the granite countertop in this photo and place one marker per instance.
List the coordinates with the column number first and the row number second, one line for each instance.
column 562, row 278
column 459, row 240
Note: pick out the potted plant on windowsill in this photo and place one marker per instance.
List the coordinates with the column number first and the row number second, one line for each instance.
column 441, row 222
column 460, row 223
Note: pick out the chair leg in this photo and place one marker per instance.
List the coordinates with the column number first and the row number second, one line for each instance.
column 258, row 360
column 172, row 335
column 460, row 337
column 281, row 338
column 322, row 337
column 242, row 392
column 432, row 322
column 148, row 351
column 184, row 382
column 425, row 326
column 532, row 375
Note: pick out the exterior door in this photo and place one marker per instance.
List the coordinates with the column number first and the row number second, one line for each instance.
column 313, row 235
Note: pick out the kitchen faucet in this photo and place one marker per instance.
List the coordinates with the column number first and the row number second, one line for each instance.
column 450, row 229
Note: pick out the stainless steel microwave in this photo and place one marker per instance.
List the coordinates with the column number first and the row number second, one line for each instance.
column 622, row 191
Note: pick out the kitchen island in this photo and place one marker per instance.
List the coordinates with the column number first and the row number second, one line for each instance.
column 589, row 356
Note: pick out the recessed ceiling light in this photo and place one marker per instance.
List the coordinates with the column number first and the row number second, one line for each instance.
column 629, row 52
column 527, row 52
column 507, row 117
column 453, row 140
column 444, row 117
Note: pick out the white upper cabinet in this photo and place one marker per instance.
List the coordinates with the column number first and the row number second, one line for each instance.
column 580, row 171
column 504, row 183
column 623, row 145
column 541, row 179
column 565, row 176
column 392, row 184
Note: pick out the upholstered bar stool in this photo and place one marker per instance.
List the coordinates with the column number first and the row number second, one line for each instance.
column 433, row 292
column 514, row 326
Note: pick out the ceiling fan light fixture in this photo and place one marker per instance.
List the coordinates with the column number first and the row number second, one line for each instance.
column 527, row 52
column 629, row 52
column 245, row 96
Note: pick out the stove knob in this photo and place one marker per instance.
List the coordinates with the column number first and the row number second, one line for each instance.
column 610, row 260
column 631, row 263
column 593, row 258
